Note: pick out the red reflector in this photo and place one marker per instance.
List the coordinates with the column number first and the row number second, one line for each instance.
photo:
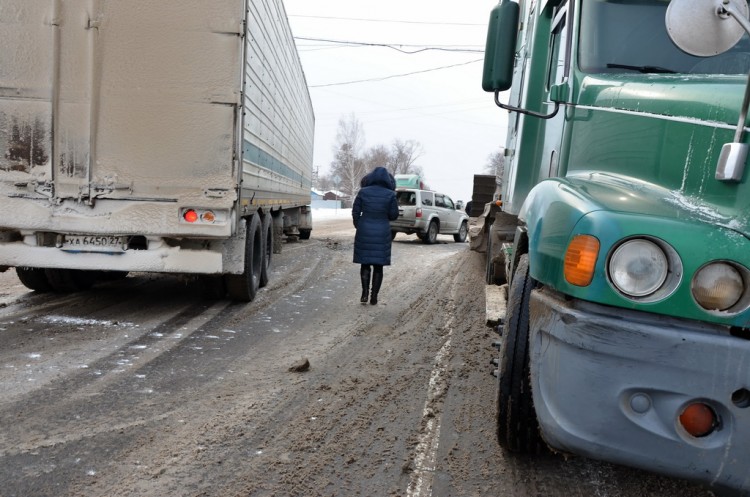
column 698, row 419
column 190, row 216
column 419, row 212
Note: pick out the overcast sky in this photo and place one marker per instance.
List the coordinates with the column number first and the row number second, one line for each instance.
column 445, row 110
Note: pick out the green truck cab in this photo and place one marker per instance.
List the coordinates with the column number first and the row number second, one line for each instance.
column 624, row 233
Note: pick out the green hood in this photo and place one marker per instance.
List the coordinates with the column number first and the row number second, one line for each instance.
column 654, row 142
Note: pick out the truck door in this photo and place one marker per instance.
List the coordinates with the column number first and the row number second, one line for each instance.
column 558, row 69
column 121, row 99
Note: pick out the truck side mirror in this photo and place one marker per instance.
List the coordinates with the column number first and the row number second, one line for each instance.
column 699, row 28
column 499, row 53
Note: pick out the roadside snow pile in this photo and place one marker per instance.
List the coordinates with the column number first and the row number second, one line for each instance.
column 318, row 214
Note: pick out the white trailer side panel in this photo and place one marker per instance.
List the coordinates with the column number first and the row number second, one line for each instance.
column 279, row 121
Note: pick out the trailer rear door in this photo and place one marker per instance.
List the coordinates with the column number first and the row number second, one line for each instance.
column 121, row 99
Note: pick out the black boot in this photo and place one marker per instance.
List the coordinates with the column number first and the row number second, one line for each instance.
column 377, row 280
column 364, row 274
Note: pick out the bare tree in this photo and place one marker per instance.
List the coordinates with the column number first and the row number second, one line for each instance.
column 348, row 166
column 496, row 163
column 377, row 156
column 403, row 156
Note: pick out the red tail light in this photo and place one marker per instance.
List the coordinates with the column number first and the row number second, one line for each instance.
column 190, row 216
column 419, row 212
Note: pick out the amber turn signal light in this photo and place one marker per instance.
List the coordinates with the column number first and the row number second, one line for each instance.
column 580, row 260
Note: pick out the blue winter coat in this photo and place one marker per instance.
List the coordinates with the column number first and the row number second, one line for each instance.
column 374, row 206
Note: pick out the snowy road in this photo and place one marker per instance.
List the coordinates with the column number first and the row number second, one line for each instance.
column 142, row 388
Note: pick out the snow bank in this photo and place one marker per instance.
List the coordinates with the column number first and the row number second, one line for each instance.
column 319, row 214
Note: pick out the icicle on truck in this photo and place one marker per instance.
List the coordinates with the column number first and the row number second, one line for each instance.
column 622, row 227
column 151, row 135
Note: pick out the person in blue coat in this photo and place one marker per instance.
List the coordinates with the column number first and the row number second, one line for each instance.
column 373, row 209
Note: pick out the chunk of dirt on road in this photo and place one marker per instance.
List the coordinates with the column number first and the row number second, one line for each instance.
column 300, row 366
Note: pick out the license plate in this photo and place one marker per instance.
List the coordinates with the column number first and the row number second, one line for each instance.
column 93, row 243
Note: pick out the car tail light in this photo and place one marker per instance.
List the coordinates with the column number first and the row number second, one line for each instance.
column 419, row 212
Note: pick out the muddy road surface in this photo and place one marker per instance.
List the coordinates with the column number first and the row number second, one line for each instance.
column 141, row 387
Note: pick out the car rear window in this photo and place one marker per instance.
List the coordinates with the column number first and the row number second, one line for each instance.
column 406, row 198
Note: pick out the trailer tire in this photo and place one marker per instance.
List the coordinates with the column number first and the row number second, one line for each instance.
column 70, row 280
column 267, row 231
column 517, row 425
column 460, row 237
column 244, row 287
column 212, row 286
column 34, row 278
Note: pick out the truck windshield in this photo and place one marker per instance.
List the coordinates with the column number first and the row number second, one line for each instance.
column 622, row 36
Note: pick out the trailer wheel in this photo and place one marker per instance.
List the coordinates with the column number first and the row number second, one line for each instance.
column 267, row 230
column 34, row 278
column 517, row 425
column 70, row 280
column 243, row 287
column 460, row 237
column 212, row 286
column 432, row 232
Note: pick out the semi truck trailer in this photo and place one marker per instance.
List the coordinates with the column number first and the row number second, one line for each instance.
column 621, row 233
column 151, row 135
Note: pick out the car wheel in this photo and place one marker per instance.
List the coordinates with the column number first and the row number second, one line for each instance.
column 460, row 237
column 432, row 233
column 517, row 425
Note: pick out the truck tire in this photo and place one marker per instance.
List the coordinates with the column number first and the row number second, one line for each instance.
column 304, row 234
column 244, row 287
column 460, row 237
column 70, row 280
column 213, row 286
column 34, row 278
column 432, row 232
column 517, row 425
column 267, row 230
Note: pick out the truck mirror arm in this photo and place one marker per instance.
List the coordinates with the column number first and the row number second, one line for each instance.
column 526, row 111
column 731, row 165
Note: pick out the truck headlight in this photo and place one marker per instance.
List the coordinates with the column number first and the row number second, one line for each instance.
column 638, row 267
column 717, row 286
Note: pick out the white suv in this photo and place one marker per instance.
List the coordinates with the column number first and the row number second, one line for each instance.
column 428, row 214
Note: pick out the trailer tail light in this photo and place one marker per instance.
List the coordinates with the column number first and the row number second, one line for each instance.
column 190, row 216
column 698, row 419
column 203, row 216
column 580, row 260
column 419, row 212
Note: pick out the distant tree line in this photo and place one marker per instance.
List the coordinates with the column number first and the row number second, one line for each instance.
column 352, row 161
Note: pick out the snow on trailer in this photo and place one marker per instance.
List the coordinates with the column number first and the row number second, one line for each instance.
column 151, row 135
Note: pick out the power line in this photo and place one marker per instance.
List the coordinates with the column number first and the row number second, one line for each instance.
column 383, row 78
column 394, row 46
column 388, row 20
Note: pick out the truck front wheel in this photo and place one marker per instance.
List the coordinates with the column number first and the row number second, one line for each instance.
column 243, row 287
column 517, row 425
